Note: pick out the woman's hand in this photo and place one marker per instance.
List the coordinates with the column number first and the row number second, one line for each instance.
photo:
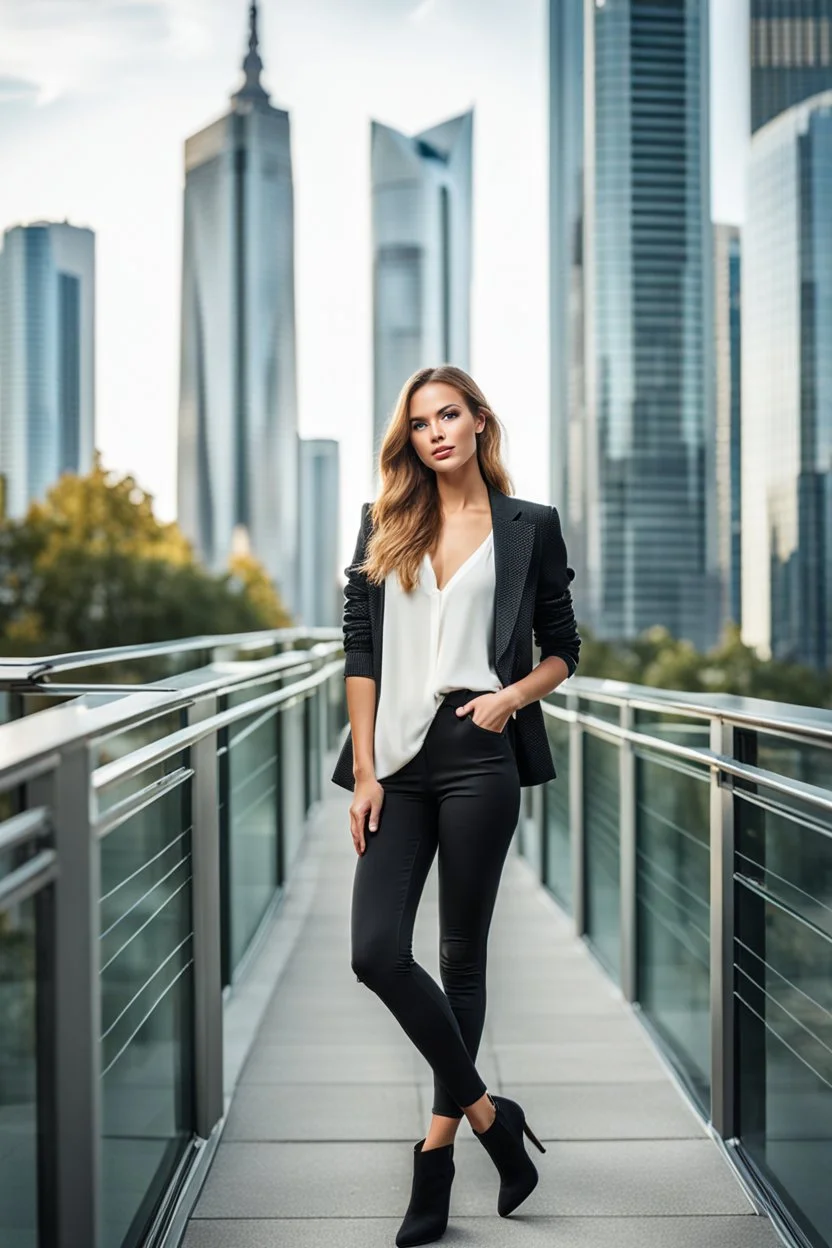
column 367, row 799
column 496, row 709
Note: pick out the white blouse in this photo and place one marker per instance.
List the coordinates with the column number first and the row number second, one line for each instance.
column 433, row 640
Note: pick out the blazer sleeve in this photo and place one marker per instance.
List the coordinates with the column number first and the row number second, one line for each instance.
column 553, row 622
column 358, row 638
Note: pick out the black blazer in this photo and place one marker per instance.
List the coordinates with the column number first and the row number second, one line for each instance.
column 532, row 600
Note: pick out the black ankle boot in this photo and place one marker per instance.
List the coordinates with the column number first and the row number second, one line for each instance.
column 430, row 1197
column 503, row 1141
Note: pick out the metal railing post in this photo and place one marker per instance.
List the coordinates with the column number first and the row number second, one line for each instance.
column 723, row 1069
column 205, row 857
column 576, row 818
column 76, row 1133
column 627, row 860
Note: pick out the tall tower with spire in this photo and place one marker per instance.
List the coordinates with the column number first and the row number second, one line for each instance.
column 238, row 446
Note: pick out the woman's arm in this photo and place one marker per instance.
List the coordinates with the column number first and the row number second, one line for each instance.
column 553, row 624
column 358, row 637
column 554, row 628
column 358, row 657
column 368, row 795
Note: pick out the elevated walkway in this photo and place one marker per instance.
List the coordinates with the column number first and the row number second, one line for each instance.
column 316, row 1149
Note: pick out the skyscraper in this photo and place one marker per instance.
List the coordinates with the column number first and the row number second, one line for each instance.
column 421, row 212
column 238, row 444
column 47, row 358
column 632, row 371
column 322, row 596
column 787, row 387
column 727, row 339
column 568, row 466
column 791, row 54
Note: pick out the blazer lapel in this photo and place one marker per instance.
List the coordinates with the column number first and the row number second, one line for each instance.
column 513, row 545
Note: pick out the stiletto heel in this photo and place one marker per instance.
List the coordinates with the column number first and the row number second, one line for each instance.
column 503, row 1141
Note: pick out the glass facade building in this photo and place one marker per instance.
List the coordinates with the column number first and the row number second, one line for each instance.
column 238, row 446
column 47, row 358
column 638, row 296
column 568, row 464
column 322, row 597
column 791, row 54
column 728, row 343
column 421, row 242
column 787, row 387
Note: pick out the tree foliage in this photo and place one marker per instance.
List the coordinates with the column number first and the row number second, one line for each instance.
column 659, row 659
column 91, row 566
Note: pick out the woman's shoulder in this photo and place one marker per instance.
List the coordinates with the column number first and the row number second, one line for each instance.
column 539, row 513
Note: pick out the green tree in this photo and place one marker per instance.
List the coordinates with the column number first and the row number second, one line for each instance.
column 656, row 658
column 91, row 567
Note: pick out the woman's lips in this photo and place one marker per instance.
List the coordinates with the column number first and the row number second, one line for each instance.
column 443, row 452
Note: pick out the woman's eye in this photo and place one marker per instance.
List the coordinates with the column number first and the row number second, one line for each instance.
column 419, row 424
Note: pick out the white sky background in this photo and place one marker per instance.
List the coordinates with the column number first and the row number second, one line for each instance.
column 98, row 96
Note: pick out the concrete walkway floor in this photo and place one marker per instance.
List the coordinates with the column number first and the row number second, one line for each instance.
column 317, row 1149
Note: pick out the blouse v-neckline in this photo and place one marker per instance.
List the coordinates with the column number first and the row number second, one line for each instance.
column 461, row 568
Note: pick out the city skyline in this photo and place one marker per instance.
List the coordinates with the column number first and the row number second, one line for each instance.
column 400, row 62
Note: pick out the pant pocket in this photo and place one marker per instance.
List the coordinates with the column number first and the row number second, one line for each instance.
column 489, row 732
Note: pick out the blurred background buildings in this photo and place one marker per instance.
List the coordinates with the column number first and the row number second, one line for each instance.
column 632, row 314
column 689, row 416
column 422, row 221
column 47, row 358
column 238, row 464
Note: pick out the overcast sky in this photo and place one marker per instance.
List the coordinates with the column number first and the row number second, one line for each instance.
column 98, row 96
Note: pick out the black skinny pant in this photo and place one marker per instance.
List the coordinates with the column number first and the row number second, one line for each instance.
column 459, row 795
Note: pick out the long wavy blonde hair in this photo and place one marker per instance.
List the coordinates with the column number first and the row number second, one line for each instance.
column 406, row 517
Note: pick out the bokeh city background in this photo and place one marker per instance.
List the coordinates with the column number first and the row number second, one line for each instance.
column 230, row 233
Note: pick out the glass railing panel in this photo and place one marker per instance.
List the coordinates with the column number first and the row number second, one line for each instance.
column 18, row 1071
column 602, row 850
column 783, row 985
column 558, row 850
column 313, row 745
column 119, row 745
column 292, row 780
column 336, row 709
column 253, row 778
column 667, row 726
column 673, row 911
column 799, row 760
column 601, row 709
column 146, row 960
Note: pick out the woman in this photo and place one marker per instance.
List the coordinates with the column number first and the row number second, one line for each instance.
column 450, row 581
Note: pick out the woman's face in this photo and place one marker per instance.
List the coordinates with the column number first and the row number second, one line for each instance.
column 440, row 420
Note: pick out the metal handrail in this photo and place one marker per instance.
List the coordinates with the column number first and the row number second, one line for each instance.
column 814, row 722
column 27, row 826
column 16, row 670
column 792, row 718
column 157, row 751
column 25, row 741
column 28, row 879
